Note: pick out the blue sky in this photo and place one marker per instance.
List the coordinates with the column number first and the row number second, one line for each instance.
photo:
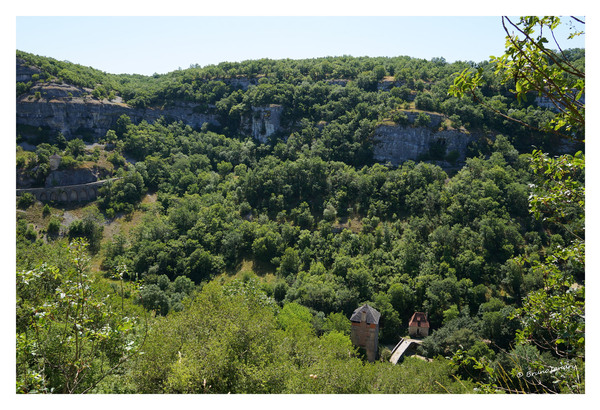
column 145, row 45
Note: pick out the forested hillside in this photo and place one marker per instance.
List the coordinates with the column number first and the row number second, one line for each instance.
column 215, row 262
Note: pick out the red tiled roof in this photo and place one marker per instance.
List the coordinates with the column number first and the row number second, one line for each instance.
column 419, row 319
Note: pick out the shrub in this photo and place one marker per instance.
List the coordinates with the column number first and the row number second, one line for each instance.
column 153, row 298
column 53, row 228
column 422, row 120
column 400, row 118
column 116, row 159
column 31, row 233
column 25, row 201
column 67, row 162
column 88, row 228
column 456, row 122
column 453, row 156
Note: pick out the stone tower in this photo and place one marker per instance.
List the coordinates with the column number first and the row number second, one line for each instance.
column 365, row 330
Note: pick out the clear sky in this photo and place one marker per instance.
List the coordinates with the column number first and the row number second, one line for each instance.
column 145, row 45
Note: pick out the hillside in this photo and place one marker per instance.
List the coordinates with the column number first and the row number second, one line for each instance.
column 269, row 100
column 247, row 209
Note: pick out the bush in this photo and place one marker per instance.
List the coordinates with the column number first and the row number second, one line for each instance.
column 456, row 122
column 110, row 213
column 53, row 228
column 31, row 233
column 153, row 298
column 453, row 156
column 88, row 228
column 25, row 201
column 183, row 284
column 422, row 120
column 116, row 159
column 400, row 118
column 68, row 162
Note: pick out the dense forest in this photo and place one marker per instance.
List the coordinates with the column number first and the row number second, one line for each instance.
column 215, row 263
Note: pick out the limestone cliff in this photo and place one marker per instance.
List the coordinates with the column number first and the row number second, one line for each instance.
column 25, row 72
column 263, row 122
column 73, row 111
column 71, row 177
column 397, row 144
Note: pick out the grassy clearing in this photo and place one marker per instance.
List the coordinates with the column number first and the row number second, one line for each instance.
column 353, row 223
column 124, row 224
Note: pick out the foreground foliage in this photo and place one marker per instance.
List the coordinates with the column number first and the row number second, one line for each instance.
column 69, row 337
column 232, row 338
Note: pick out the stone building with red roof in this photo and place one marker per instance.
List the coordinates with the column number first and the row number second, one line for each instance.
column 418, row 325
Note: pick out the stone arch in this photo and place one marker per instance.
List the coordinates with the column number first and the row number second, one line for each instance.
column 63, row 196
column 73, row 195
column 43, row 196
column 83, row 195
column 53, row 196
column 91, row 193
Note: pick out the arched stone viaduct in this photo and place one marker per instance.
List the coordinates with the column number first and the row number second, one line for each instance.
column 67, row 193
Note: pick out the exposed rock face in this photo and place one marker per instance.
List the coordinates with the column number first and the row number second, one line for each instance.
column 24, row 72
column 396, row 144
column 263, row 122
column 387, row 84
column 72, row 111
column 241, row 82
column 71, row 177
column 434, row 119
column 24, row 180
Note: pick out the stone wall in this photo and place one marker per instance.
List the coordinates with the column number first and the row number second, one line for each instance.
column 366, row 335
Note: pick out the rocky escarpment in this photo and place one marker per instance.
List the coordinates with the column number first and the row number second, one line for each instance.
column 25, row 72
column 263, row 122
column 71, row 177
column 397, row 144
column 74, row 112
